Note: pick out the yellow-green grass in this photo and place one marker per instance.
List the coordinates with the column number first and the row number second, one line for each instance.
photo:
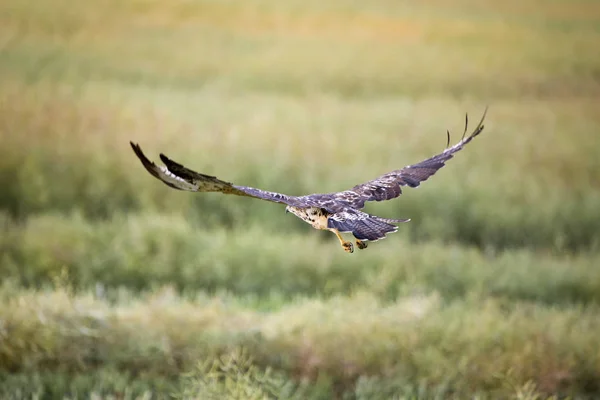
column 489, row 324
column 141, row 252
column 411, row 341
column 461, row 48
column 531, row 179
column 307, row 97
column 492, row 290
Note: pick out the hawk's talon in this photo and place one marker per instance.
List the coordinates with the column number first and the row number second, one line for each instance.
column 361, row 245
column 348, row 247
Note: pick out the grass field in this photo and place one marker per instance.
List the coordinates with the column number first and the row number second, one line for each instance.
column 114, row 286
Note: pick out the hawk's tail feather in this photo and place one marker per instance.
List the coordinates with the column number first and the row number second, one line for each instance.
column 393, row 220
column 371, row 228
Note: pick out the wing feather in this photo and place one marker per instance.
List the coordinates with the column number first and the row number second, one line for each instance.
column 179, row 177
column 389, row 186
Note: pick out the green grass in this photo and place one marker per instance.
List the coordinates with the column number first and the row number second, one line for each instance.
column 150, row 251
column 409, row 341
column 114, row 285
column 483, row 198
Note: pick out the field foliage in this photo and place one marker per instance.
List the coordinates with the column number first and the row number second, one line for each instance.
column 115, row 286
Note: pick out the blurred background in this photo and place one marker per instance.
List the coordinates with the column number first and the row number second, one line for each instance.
column 115, row 286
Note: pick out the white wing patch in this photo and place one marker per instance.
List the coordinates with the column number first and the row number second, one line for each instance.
column 179, row 183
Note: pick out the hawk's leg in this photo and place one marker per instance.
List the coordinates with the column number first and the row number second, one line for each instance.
column 361, row 245
column 347, row 246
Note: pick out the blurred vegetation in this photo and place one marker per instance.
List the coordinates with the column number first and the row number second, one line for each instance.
column 114, row 286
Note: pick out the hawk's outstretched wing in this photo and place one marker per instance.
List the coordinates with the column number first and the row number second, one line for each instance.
column 179, row 177
column 388, row 186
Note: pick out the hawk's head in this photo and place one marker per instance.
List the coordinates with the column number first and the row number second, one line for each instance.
column 299, row 212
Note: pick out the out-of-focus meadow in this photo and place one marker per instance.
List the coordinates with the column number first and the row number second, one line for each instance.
column 115, row 286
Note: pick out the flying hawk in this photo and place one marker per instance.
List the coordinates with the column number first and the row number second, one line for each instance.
column 337, row 212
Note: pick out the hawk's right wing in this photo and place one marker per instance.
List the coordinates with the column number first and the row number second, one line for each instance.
column 179, row 177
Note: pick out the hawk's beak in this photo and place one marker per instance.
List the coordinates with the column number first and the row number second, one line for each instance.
column 287, row 211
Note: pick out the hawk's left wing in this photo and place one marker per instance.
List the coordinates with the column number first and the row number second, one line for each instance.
column 388, row 186
column 179, row 177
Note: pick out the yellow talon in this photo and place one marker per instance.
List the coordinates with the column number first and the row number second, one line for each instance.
column 361, row 245
column 348, row 247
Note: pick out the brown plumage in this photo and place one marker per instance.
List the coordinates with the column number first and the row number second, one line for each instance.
column 338, row 211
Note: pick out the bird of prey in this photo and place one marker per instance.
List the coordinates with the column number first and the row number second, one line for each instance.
column 337, row 212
